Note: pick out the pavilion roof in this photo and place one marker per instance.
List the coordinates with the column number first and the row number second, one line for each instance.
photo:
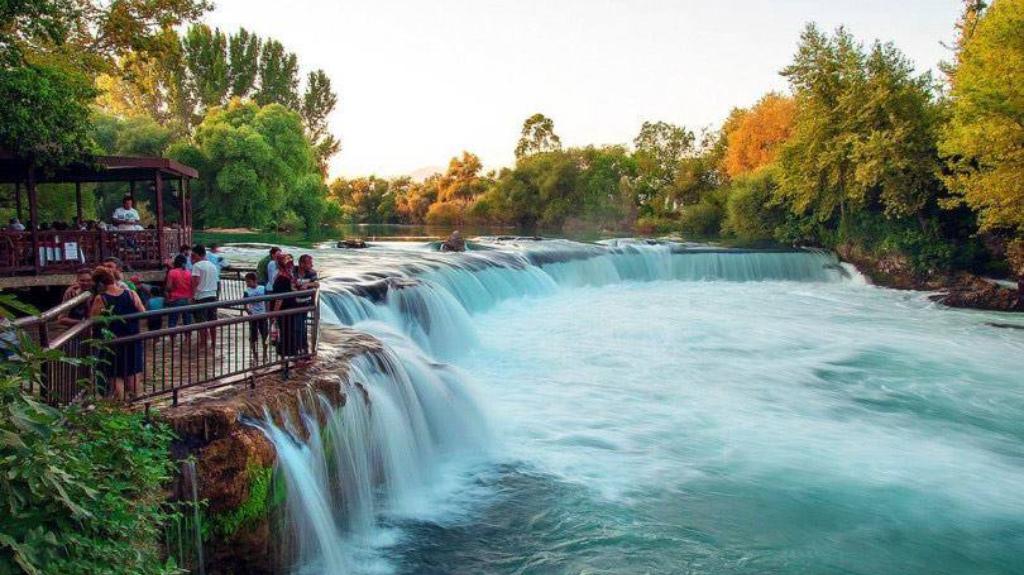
column 101, row 169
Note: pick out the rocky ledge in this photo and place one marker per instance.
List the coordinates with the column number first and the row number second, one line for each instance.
column 234, row 460
column 960, row 290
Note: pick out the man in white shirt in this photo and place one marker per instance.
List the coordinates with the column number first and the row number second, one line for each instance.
column 271, row 273
column 16, row 225
column 127, row 217
column 205, row 281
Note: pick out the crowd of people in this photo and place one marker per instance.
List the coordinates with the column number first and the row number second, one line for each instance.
column 190, row 293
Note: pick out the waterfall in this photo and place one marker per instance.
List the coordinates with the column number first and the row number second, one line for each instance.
column 378, row 457
column 431, row 300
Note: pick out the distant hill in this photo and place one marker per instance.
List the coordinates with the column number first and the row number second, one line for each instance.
column 425, row 172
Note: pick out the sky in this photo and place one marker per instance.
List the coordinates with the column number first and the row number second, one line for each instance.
column 419, row 81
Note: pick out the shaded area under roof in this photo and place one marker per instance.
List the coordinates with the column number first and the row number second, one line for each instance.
column 102, row 169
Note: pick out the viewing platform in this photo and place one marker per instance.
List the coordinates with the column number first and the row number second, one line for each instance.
column 38, row 257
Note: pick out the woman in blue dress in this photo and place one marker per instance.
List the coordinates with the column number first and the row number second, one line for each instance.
column 123, row 361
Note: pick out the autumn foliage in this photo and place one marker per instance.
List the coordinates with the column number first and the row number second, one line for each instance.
column 755, row 135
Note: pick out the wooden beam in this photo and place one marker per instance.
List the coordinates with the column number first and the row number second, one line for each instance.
column 17, row 200
column 158, row 184
column 78, row 201
column 131, row 192
column 34, row 215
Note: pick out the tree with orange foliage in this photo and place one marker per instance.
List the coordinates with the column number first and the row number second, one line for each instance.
column 753, row 136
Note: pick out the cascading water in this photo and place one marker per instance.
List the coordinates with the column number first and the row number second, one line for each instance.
column 656, row 408
column 406, row 414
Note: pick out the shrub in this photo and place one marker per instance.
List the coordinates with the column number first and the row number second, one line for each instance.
column 81, row 490
column 752, row 214
column 702, row 220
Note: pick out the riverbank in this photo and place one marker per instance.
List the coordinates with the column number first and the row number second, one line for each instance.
column 958, row 289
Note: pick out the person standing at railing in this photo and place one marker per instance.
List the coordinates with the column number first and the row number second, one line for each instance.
column 306, row 278
column 213, row 254
column 205, row 281
column 124, row 361
column 83, row 283
column 271, row 268
column 178, row 288
column 263, row 264
column 287, row 325
column 258, row 326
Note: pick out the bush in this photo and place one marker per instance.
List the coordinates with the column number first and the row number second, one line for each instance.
column 702, row 220
column 81, row 490
column 751, row 212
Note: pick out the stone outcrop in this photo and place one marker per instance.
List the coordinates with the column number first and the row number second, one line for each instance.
column 960, row 290
column 231, row 455
column 969, row 291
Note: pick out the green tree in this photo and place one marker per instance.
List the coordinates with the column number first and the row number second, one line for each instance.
column 659, row 149
column 51, row 52
column 318, row 101
column 864, row 133
column 279, row 76
column 537, row 136
column 243, row 62
column 206, row 57
column 984, row 140
column 254, row 162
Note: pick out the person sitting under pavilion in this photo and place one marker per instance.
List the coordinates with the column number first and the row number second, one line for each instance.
column 126, row 218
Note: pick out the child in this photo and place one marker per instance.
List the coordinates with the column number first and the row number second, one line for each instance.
column 154, row 302
column 258, row 328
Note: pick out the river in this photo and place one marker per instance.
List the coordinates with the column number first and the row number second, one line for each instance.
column 552, row 407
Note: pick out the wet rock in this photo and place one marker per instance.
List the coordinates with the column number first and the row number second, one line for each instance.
column 215, row 429
column 353, row 243
column 972, row 292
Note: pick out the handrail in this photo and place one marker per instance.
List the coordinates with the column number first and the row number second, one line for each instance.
column 54, row 312
column 171, row 363
column 206, row 324
column 216, row 304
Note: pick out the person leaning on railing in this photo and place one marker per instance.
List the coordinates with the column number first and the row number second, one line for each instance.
column 258, row 327
column 178, row 288
column 306, row 278
column 287, row 325
column 205, row 283
column 83, row 283
column 123, row 363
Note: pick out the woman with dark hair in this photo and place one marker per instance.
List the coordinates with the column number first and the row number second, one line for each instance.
column 287, row 326
column 178, row 290
column 124, row 360
column 306, row 278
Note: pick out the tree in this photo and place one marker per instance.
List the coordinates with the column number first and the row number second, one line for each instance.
column 254, row 164
column 206, row 58
column 279, row 76
column 243, row 62
column 659, row 149
column 864, row 132
column 318, row 102
column 753, row 137
column 537, row 136
column 984, row 140
column 51, row 52
column 45, row 116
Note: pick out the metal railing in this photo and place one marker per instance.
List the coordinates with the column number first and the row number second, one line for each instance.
column 208, row 354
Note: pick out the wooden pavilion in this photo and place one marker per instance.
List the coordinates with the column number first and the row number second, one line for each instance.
column 39, row 256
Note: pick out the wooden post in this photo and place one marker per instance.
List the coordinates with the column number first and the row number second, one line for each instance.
column 188, row 211
column 159, row 190
column 78, row 201
column 131, row 192
column 17, row 200
column 34, row 216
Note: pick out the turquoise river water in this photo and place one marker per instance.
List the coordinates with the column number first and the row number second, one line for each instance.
column 552, row 407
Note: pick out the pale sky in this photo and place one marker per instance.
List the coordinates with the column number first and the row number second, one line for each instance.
column 419, row 81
